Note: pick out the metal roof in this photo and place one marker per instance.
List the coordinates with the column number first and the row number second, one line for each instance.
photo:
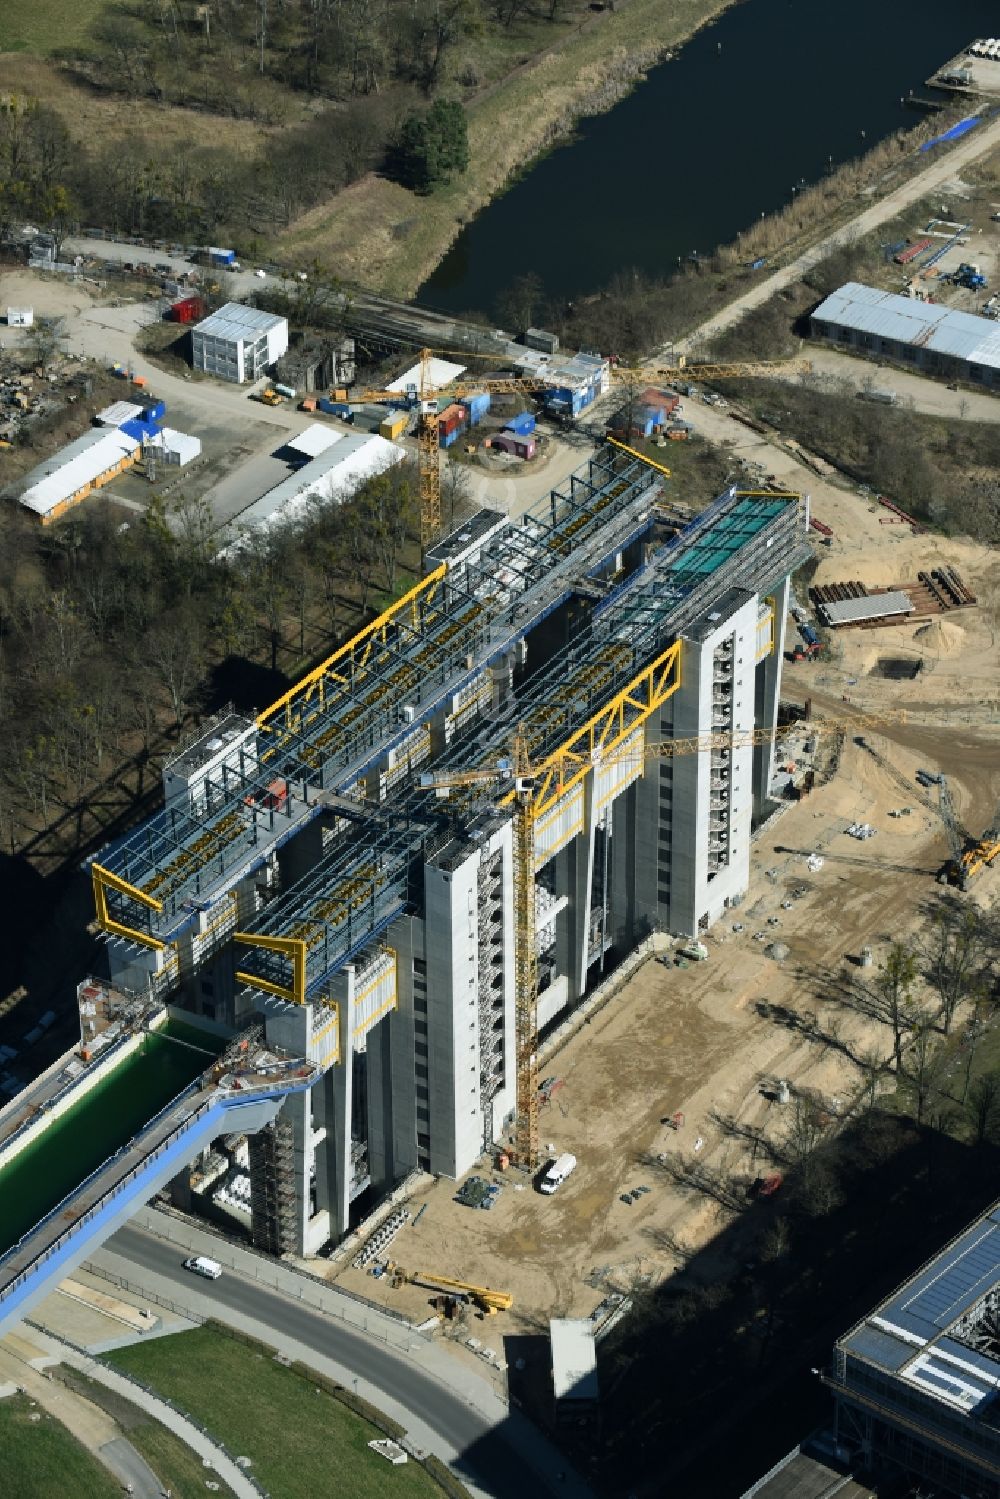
column 439, row 372
column 916, row 1332
column 315, row 439
column 869, row 606
column 333, row 474
column 74, row 467
column 574, row 1358
column 942, row 330
column 118, row 413
column 235, row 322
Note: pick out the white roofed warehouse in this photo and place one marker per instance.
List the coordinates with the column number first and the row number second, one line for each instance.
column 70, row 475
column 934, row 339
column 238, row 343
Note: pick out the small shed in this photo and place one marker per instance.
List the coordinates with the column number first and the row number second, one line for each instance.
column 180, row 447
column 20, row 317
column 511, row 442
column 574, row 1367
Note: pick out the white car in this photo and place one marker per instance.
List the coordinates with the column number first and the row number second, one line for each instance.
column 200, row 1264
column 262, row 275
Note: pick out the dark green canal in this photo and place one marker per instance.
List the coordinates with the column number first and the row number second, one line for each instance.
column 42, row 1174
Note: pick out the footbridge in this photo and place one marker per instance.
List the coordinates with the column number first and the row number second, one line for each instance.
column 111, row 1122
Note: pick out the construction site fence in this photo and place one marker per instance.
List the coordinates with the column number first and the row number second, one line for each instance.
column 299, row 1284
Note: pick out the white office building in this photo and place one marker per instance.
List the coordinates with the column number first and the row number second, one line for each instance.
column 238, row 343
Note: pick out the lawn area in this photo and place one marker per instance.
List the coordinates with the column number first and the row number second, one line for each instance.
column 40, row 1458
column 47, row 24
column 173, row 1462
column 303, row 1443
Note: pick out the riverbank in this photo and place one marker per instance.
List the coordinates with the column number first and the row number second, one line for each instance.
column 380, row 236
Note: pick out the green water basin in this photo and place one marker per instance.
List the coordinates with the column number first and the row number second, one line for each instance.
column 105, row 1118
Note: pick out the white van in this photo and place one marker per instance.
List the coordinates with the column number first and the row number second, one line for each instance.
column 199, row 1264
column 557, row 1174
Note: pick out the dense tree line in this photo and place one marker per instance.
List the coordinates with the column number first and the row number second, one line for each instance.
column 112, row 635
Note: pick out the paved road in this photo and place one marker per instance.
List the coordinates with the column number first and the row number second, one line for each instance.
column 492, row 1453
column 940, row 170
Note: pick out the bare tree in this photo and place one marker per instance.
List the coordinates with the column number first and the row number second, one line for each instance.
column 983, row 1106
column 893, row 990
column 176, row 652
column 953, row 954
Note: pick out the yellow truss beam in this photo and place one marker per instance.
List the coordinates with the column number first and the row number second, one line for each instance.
column 293, row 948
column 602, row 734
column 354, row 655
column 102, row 881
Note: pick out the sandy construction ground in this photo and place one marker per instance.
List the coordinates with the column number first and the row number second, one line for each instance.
column 694, row 1039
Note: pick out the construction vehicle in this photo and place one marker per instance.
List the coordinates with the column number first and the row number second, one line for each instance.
column 270, row 397
column 424, row 393
column 970, row 275
column 488, row 1302
column 533, row 786
column 968, row 856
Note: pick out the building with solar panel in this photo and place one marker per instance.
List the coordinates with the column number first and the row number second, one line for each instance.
column 917, row 1382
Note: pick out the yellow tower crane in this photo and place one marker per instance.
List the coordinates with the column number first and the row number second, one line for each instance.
column 518, row 768
column 427, row 393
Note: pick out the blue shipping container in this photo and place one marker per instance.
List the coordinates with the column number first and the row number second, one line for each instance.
column 447, row 438
column 479, row 405
column 334, row 408
column 522, row 424
column 154, row 413
column 141, row 431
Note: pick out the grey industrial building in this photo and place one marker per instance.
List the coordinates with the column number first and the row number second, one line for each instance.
column 381, row 947
column 238, row 343
column 935, row 339
column 917, row 1381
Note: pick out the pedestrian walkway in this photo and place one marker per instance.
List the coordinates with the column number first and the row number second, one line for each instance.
column 24, row 1360
column 100, row 1434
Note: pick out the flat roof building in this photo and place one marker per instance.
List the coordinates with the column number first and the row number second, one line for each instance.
column 917, row 1381
column 80, row 467
column 936, row 339
column 574, row 1366
column 238, row 343
column 334, row 474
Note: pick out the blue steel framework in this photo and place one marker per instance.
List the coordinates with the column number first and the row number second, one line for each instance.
column 356, row 891
column 344, row 717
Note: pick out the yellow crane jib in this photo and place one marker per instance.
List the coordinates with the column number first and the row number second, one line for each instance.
column 103, row 880
column 623, row 447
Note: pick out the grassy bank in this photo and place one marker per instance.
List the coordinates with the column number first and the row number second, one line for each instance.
column 379, row 235
column 40, row 1457
column 311, row 1445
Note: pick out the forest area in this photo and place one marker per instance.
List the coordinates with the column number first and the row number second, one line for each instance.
column 115, row 639
column 325, row 90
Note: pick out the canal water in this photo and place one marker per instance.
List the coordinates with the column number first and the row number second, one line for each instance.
column 707, row 144
column 42, row 1174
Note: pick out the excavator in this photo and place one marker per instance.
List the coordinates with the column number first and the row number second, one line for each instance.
column 969, row 855
column 488, row 1302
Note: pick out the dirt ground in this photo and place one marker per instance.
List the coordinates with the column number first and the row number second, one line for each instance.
column 693, row 1039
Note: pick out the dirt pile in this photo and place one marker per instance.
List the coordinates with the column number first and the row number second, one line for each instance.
column 943, row 637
